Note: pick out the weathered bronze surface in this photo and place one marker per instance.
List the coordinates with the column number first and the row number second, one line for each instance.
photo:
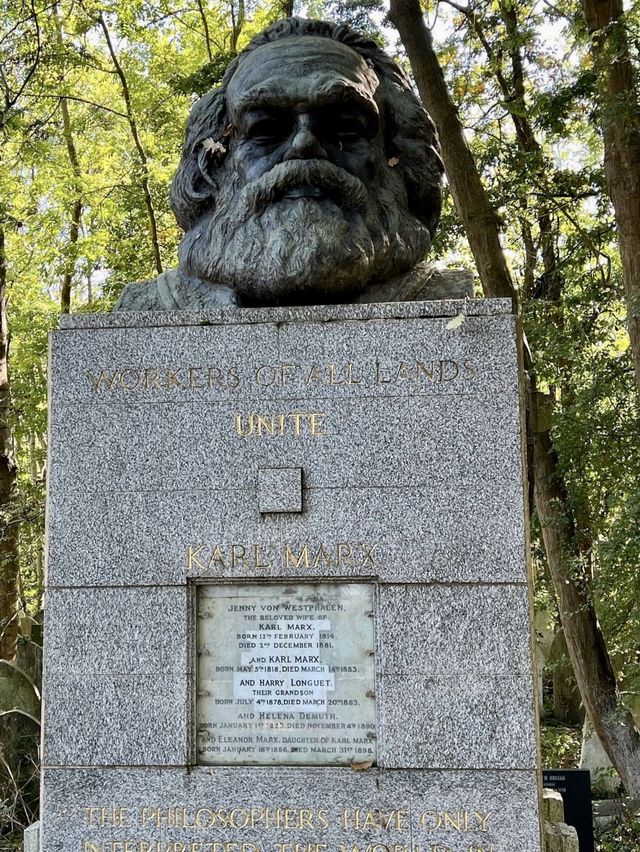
column 312, row 175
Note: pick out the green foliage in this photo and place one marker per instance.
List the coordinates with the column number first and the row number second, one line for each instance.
column 362, row 15
column 560, row 746
column 19, row 735
column 12, row 843
column 560, row 239
column 553, row 110
column 622, row 836
column 601, row 784
column 202, row 79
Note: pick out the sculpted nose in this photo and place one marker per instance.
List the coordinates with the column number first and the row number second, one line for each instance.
column 305, row 145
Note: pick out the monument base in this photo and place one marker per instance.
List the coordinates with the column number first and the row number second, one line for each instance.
column 244, row 809
column 294, row 538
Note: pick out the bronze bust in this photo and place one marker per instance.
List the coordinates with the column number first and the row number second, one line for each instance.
column 311, row 176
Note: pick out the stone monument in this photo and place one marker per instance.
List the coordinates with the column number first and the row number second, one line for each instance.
column 287, row 600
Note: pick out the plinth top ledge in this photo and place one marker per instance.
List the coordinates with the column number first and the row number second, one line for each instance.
column 310, row 313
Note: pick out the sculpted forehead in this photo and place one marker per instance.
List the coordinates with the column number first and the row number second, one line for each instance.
column 295, row 68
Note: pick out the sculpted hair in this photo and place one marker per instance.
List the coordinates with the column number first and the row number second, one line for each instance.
column 410, row 135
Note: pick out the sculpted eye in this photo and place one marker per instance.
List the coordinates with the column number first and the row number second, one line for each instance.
column 347, row 127
column 350, row 128
column 270, row 130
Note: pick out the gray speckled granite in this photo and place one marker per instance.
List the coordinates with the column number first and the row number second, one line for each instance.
column 115, row 674
column 454, row 686
column 310, row 313
column 414, row 623
column 463, row 720
column 121, row 720
column 279, row 489
column 116, row 631
column 413, row 455
column 183, row 447
column 339, row 809
column 423, row 534
column 232, row 362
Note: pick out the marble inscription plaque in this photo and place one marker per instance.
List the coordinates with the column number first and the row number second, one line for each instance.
column 285, row 674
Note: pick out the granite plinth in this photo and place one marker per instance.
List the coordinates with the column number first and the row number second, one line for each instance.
column 174, row 444
column 402, row 452
column 469, row 706
column 279, row 810
column 415, row 621
column 355, row 359
column 279, row 489
column 287, row 449
column 294, row 314
column 423, row 533
column 117, row 631
column 116, row 675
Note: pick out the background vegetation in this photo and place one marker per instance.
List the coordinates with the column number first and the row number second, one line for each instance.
column 93, row 100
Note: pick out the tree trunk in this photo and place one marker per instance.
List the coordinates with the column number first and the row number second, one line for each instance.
column 620, row 120
column 514, row 93
column 205, row 27
column 76, row 211
column 480, row 221
column 142, row 154
column 237, row 23
column 9, row 562
column 592, row 667
column 585, row 641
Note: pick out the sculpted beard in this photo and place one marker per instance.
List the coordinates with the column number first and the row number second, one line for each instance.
column 270, row 244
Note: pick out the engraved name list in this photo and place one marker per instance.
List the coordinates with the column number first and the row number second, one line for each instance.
column 285, row 674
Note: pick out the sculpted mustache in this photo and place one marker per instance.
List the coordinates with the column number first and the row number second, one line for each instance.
column 340, row 186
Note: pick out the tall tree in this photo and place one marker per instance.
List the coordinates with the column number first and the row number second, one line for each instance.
column 9, row 561
column 587, row 648
column 20, row 53
column 480, row 221
column 620, row 121
column 512, row 86
column 135, row 135
column 74, row 162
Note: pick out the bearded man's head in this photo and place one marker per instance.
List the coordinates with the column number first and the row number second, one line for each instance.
column 310, row 174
